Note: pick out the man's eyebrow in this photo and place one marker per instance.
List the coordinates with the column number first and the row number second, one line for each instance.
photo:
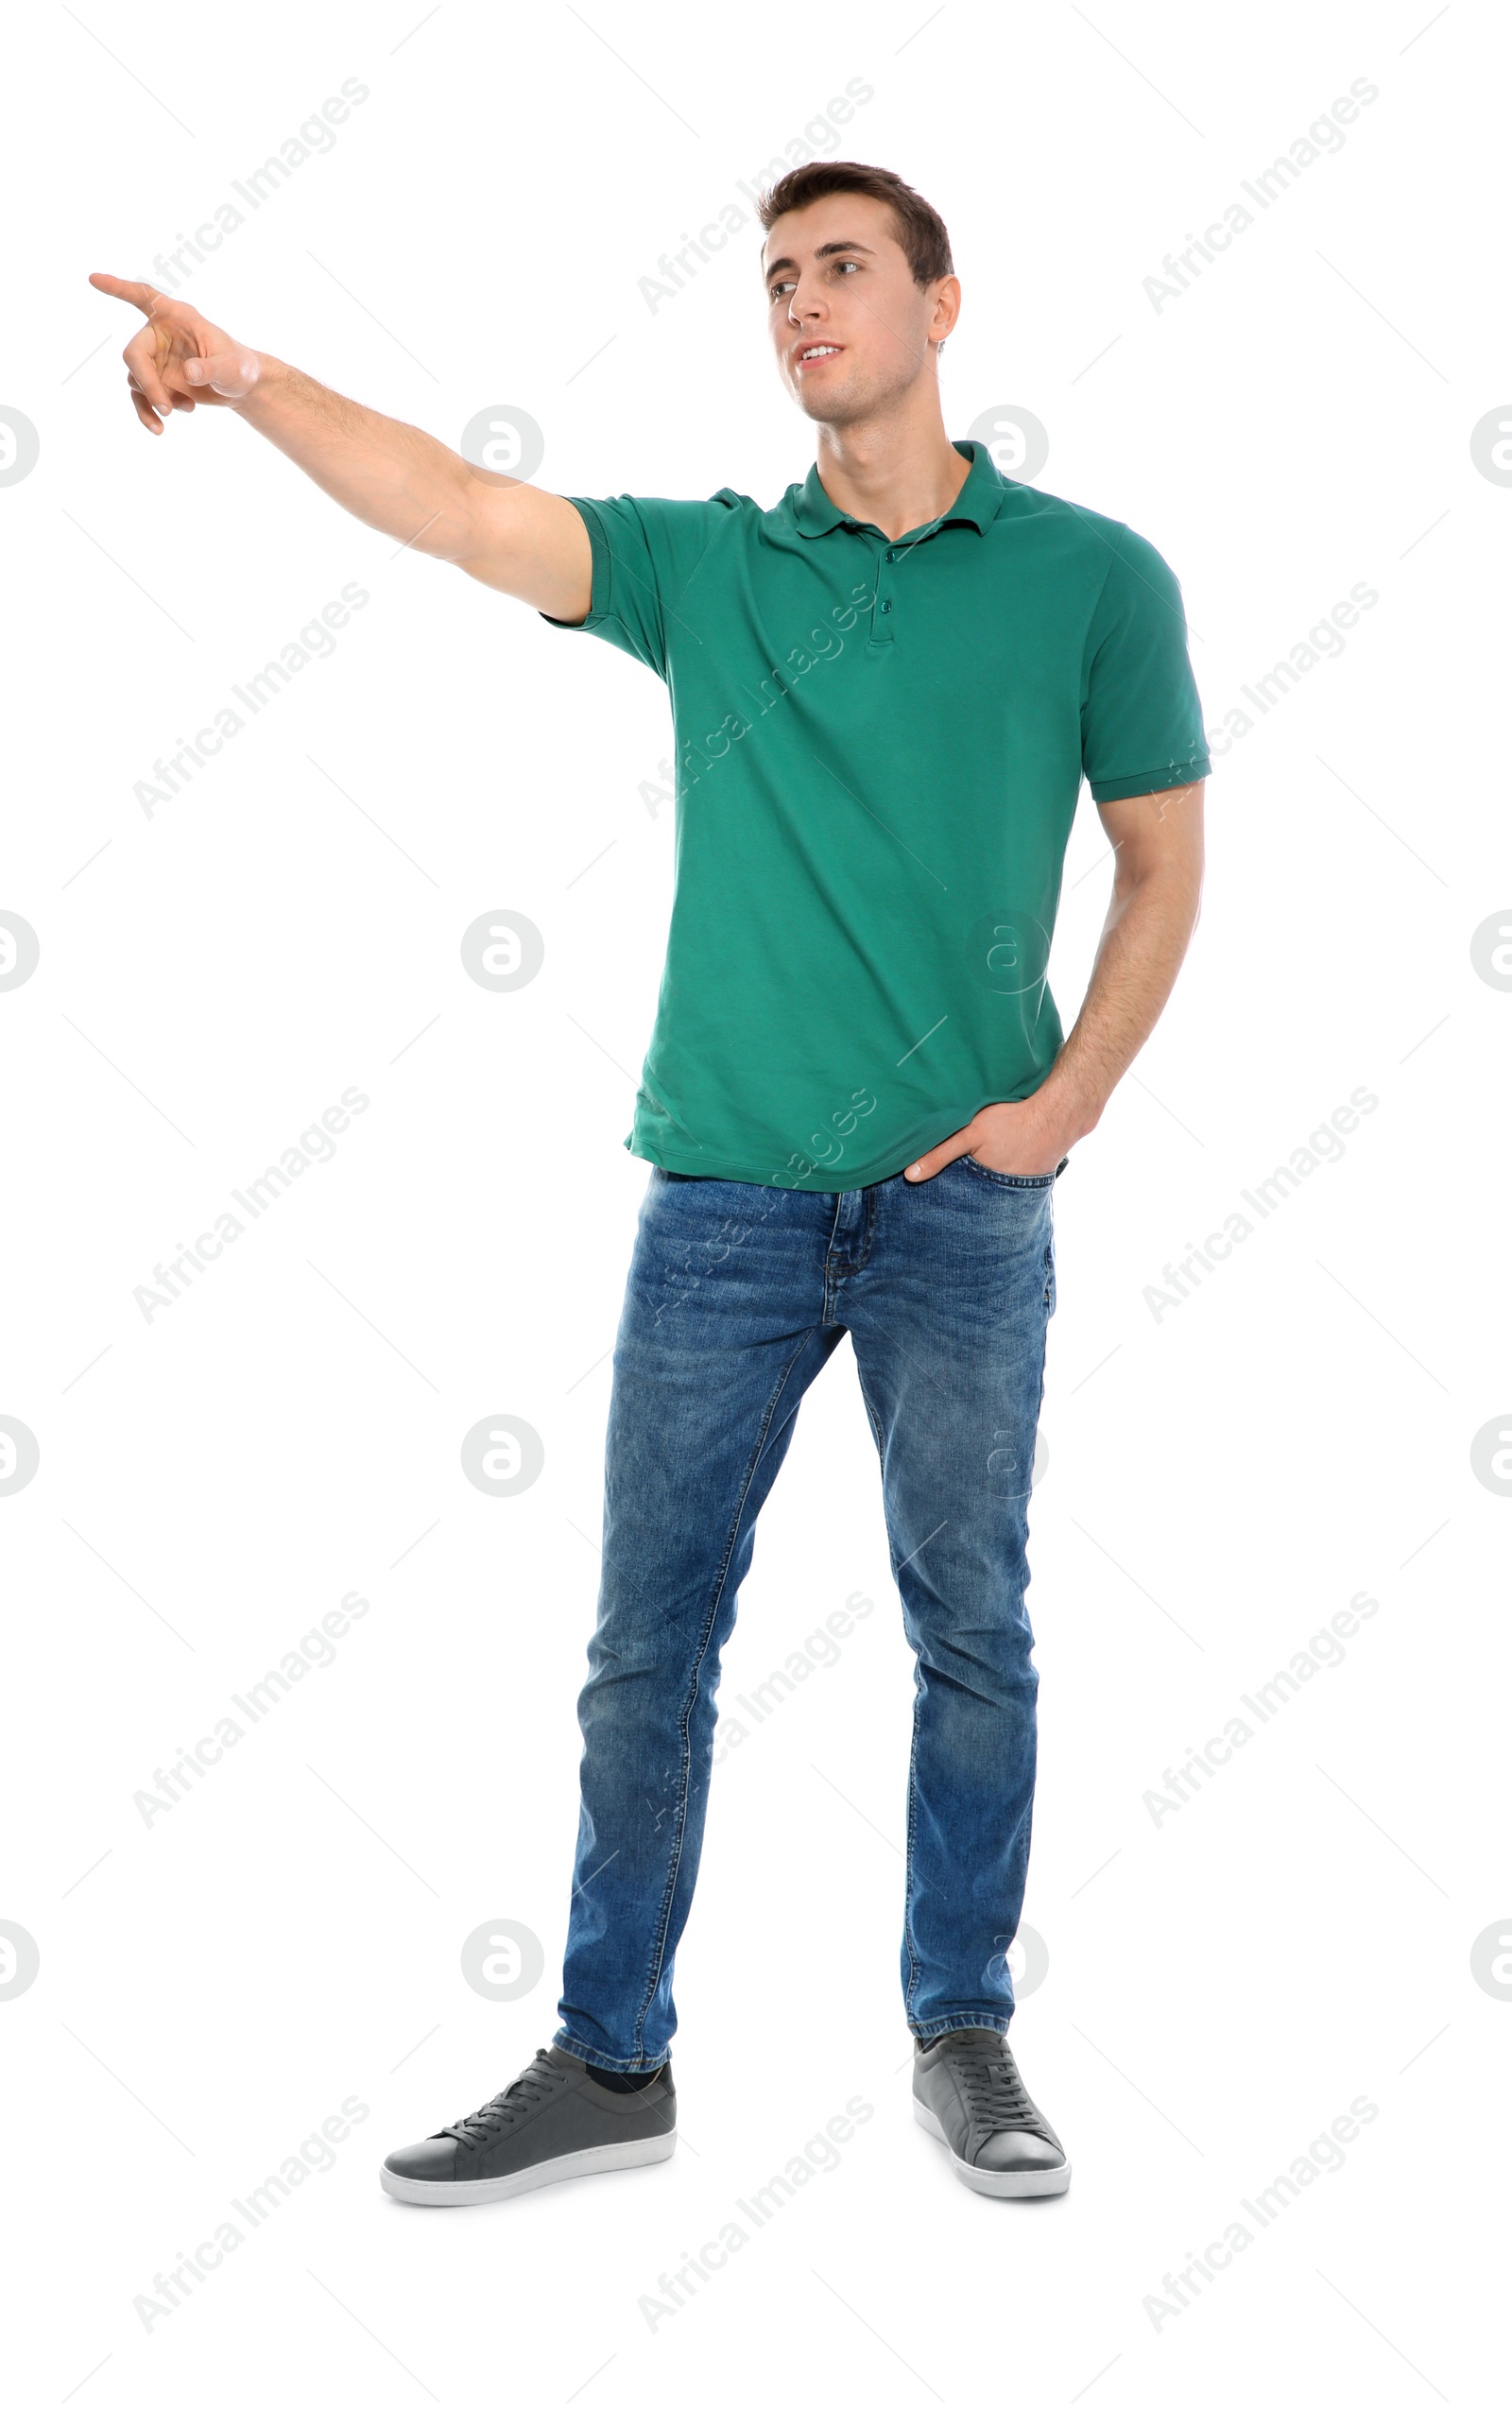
column 826, row 250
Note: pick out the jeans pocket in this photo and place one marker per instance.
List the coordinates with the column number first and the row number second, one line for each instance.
column 1009, row 1179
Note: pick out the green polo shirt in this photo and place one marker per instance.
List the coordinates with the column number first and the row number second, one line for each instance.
column 879, row 749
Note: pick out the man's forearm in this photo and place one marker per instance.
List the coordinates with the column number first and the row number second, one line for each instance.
column 390, row 475
column 500, row 530
column 1145, row 940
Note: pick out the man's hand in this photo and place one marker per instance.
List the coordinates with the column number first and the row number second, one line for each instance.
column 178, row 358
column 1004, row 1137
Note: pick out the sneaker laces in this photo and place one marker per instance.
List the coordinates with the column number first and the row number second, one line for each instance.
column 994, row 2085
column 540, row 2080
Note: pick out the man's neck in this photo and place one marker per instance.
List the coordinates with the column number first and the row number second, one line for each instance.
column 896, row 474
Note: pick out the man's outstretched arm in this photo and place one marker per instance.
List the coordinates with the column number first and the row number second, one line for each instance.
column 509, row 535
column 1158, row 856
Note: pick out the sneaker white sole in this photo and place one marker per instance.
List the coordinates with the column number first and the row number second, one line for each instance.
column 530, row 2178
column 1030, row 2183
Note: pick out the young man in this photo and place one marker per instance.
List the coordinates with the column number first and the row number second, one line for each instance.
column 855, row 1104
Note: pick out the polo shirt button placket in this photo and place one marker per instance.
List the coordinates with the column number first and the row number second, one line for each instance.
column 881, row 609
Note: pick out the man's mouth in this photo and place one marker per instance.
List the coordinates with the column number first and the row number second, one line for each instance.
column 812, row 354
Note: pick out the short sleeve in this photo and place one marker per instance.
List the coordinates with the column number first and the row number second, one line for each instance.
column 1141, row 718
column 644, row 553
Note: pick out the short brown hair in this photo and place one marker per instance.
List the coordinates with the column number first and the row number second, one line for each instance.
column 920, row 228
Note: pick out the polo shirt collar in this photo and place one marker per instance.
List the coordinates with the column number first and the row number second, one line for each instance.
column 977, row 502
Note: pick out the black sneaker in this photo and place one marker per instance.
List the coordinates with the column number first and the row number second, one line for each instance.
column 968, row 2093
column 552, row 2122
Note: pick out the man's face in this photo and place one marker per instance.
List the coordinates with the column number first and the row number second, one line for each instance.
column 850, row 328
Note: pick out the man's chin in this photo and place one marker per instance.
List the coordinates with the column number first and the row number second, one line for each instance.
column 839, row 406
column 832, row 401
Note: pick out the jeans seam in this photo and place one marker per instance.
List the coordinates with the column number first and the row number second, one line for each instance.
column 676, row 1867
column 875, row 1419
column 590, row 2057
column 944, row 2024
column 869, row 1232
column 914, row 1969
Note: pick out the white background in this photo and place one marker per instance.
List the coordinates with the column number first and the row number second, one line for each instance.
column 1220, row 1481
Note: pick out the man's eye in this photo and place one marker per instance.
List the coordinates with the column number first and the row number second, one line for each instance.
column 778, row 290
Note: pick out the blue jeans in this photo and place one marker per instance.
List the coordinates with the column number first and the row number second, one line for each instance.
column 737, row 1296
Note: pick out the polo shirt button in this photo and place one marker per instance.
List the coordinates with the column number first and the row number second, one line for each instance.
column 885, row 608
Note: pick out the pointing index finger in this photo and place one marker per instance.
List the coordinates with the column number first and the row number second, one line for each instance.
column 143, row 297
